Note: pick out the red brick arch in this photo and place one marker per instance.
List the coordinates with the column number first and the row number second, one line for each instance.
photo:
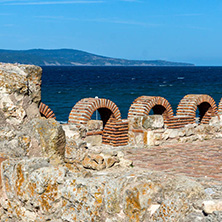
column 220, row 107
column 82, row 112
column 144, row 104
column 46, row 111
column 190, row 103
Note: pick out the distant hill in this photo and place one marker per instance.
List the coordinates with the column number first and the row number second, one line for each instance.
column 71, row 57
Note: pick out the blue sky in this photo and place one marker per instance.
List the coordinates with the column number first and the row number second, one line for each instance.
column 174, row 30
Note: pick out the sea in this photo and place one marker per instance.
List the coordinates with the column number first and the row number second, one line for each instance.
column 64, row 86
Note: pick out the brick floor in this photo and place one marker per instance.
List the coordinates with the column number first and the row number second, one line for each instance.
column 200, row 160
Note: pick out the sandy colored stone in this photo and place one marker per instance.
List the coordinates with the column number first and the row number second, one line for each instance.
column 94, row 162
column 94, row 125
column 20, row 92
column 211, row 205
column 47, row 138
column 94, row 140
column 153, row 122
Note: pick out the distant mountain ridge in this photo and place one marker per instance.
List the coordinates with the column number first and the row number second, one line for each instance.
column 71, row 57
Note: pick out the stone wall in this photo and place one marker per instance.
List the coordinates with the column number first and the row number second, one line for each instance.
column 195, row 114
column 23, row 132
column 20, row 93
column 60, row 173
column 35, row 190
column 150, row 131
column 185, row 126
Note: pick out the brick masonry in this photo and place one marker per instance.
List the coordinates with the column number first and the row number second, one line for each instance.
column 81, row 113
column 220, row 107
column 46, row 111
column 189, row 104
column 144, row 104
column 186, row 110
column 115, row 132
column 199, row 159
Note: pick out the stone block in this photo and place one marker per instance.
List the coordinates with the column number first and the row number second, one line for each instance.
column 153, row 122
column 94, row 125
column 211, row 205
column 94, row 140
column 135, row 123
column 47, row 139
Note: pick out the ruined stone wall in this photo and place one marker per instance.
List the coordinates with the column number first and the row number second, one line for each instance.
column 22, row 130
column 185, row 126
column 47, row 174
column 193, row 121
column 36, row 191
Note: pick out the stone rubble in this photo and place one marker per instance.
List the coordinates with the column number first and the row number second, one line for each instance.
column 150, row 131
column 63, row 173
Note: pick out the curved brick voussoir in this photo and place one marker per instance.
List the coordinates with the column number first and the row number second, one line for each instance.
column 220, row 107
column 83, row 110
column 46, row 111
column 144, row 104
column 190, row 103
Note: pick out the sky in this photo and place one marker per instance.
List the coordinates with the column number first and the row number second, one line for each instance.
column 173, row 30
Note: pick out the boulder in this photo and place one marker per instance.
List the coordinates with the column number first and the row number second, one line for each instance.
column 20, row 92
column 47, row 139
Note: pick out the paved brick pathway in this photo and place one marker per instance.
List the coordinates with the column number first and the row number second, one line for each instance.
column 200, row 160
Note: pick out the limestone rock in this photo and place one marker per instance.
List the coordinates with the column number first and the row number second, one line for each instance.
column 216, row 216
column 20, row 92
column 11, row 144
column 75, row 150
column 195, row 217
column 212, row 205
column 47, row 139
column 94, row 162
column 74, row 133
column 93, row 125
column 35, row 190
column 94, row 140
column 153, row 122
column 172, row 134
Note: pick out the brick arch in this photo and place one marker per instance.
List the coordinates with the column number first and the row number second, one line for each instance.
column 46, row 111
column 190, row 103
column 220, row 107
column 144, row 104
column 83, row 110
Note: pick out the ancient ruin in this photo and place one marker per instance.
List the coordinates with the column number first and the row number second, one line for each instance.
column 144, row 129
column 96, row 169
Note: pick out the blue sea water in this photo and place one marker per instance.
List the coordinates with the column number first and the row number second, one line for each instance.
column 63, row 87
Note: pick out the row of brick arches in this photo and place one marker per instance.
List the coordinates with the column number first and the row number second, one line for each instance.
column 115, row 129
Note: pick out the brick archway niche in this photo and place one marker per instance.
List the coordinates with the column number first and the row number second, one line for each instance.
column 114, row 130
column 193, row 104
column 82, row 112
column 143, row 105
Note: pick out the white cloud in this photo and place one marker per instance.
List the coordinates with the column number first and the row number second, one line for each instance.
column 100, row 20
